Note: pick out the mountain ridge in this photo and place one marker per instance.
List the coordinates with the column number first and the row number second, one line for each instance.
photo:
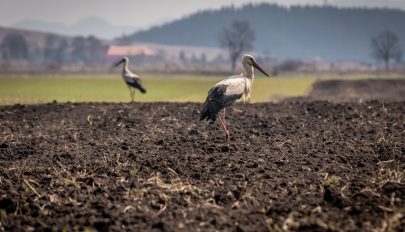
column 86, row 26
column 328, row 32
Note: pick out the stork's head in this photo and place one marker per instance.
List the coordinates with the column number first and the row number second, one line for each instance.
column 123, row 60
column 249, row 61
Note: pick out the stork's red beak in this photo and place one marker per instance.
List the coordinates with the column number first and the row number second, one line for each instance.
column 119, row 62
column 260, row 68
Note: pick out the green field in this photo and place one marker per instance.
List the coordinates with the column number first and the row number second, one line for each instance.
column 166, row 88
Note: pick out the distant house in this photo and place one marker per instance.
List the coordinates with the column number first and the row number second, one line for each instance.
column 149, row 52
column 115, row 52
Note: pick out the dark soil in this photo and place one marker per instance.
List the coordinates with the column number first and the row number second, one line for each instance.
column 358, row 90
column 299, row 166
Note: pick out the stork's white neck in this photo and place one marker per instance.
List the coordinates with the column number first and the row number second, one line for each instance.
column 249, row 72
column 125, row 67
column 248, row 85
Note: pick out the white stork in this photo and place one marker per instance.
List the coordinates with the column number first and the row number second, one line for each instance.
column 131, row 79
column 226, row 92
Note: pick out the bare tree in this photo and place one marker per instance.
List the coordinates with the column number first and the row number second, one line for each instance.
column 182, row 57
column 55, row 50
column 386, row 48
column 237, row 38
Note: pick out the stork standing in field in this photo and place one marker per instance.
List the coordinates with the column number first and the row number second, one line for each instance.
column 131, row 79
column 226, row 92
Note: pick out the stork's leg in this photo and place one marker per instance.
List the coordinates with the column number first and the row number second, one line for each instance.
column 223, row 124
column 226, row 127
column 223, row 119
column 132, row 92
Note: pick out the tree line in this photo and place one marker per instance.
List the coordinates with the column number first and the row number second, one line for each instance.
column 238, row 37
column 55, row 51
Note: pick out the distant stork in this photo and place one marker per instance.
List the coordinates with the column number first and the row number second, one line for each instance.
column 226, row 92
column 131, row 79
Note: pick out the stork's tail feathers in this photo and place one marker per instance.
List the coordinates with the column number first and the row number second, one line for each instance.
column 142, row 89
column 204, row 111
column 208, row 111
column 138, row 85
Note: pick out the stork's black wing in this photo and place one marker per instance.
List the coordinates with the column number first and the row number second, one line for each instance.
column 137, row 84
column 214, row 103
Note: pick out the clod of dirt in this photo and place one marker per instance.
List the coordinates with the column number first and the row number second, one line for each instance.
column 223, row 197
column 124, row 147
column 8, row 205
column 279, row 162
column 159, row 225
column 383, row 152
column 102, row 225
column 397, row 188
column 4, row 145
column 333, row 196
column 224, row 148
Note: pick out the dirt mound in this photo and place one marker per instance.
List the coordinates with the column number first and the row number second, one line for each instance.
column 358, row 90
column 307, row 166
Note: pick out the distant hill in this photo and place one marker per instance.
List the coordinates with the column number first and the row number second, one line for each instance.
column 34, row 38
column 298, row 32
column 88, row 26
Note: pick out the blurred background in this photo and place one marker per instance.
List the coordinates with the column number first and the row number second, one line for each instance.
column 65, row 50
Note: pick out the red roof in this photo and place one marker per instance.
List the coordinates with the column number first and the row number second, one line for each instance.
column 130, row 50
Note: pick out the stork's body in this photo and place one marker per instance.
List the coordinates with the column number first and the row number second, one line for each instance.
column 226, row 92
column 131, row 79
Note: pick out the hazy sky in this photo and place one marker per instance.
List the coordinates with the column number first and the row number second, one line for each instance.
column 141, row 13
